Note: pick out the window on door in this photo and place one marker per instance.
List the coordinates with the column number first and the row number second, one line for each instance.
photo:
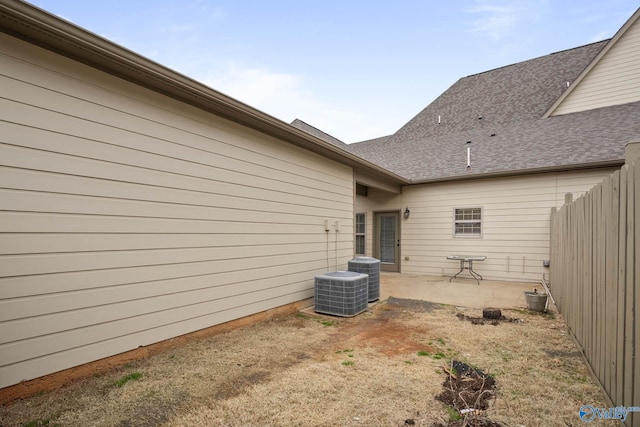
column 388, row 244
column 361, row 227
column 467, row 222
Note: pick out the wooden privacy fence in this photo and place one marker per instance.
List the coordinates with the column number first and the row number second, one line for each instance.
column 595, row 281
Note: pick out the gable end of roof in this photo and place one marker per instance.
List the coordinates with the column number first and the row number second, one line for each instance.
column 613, row 42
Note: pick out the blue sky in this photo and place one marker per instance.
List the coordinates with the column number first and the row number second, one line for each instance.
column 357, row 69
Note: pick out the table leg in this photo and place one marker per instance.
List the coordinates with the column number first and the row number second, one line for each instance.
column 473, row 273
column 461, row 270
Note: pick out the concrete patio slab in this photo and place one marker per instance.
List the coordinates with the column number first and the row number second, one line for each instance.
column 463, row 292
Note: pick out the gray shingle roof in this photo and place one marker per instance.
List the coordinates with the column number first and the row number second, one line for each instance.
column 317, row 133
column 501, row 112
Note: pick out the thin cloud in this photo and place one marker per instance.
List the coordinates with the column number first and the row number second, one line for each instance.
column 181, row 28
column 287, row 97
column 499, row 19
column 255, row 86
column 494, row 21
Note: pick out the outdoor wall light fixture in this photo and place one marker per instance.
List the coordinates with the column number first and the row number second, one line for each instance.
column 407, row 212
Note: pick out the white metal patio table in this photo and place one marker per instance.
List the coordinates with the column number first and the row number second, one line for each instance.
column 467, row 259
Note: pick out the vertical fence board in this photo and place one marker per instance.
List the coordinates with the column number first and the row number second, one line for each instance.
column 581, row 262
column 599, row 271
column 611, row 207
column 571, row 268
column 589, row 345
column 591, row 276
column 629, row 333
column 636, row 293
column 602, row 281
column 621, row 288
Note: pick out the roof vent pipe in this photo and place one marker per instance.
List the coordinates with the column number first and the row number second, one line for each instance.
column 438, row 119
column 468, row 154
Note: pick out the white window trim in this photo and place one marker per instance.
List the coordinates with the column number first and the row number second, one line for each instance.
column 363, row 234
column 467, row 236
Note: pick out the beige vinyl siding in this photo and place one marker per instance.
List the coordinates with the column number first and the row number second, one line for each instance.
column 516, row 212
column 614, row 80
column 578, row 183
column 127, row 217
column 515, row 223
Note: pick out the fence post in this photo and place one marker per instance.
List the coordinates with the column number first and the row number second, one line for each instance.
column 568, row 198
column 631, row 151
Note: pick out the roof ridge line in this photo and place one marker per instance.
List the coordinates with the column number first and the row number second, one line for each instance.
column 536, row 58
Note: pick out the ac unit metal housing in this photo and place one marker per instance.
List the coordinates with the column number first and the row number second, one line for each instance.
column 341, row 293
column 370, row 266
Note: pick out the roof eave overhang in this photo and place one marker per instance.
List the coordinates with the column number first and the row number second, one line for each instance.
column 41, row 28
column 615, row 163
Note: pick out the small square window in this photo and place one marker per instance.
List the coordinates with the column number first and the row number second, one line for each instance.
column 467, row 222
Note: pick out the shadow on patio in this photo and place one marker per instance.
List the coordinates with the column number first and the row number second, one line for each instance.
column 462, row 291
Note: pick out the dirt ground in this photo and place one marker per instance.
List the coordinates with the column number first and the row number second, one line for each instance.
column 389, row 366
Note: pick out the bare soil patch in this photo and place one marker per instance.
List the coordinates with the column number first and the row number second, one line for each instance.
column 470, row 392
column 384, row 367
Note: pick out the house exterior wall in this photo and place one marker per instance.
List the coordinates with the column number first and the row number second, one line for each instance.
column 614, row 80
column 127, row 217
column 515, row 225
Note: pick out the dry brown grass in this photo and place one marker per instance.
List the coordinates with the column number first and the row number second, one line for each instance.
column 364, row 371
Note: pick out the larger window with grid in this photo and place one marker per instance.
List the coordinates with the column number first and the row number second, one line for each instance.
column 467, row 222
column 361, row 227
